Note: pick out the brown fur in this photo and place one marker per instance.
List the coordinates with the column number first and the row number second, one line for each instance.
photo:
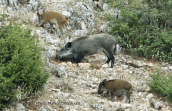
column 116, row 86
column 48, row 16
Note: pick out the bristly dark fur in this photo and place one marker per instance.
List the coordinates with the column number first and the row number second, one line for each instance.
column 81, row 38
column 89, row 45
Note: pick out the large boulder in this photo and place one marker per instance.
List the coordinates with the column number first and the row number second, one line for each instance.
column 82, row 17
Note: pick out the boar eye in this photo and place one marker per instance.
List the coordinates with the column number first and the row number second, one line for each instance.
column 68, row 45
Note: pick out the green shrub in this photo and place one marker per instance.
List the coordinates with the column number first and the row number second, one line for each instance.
column 142, row 29
column 162, row 84
column 20, row 63
column 2, row 17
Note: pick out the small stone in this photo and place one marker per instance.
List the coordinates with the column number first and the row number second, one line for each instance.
column 133, row 64
column 75, row 65
column 95, row 79
column 112, row 74
column 105, row 7
column 170, row 67
column 124, row 59
column 119, row 108
column 105, row 65
column 149, row 96
column 158, row 105
column 42, row 109
column 148, row 89
column 138, row 72
column 164, row 68
column 71, row 100
column 103, row 28
column 98, row 107
column 56, row 90
column 69, row 63
column 124, row 66
column 94, row 86
column 110, row 70
column 83, row 26
column 49, row 108
column 150, row 65
column 84, row 65
column 139, row 89
column 125, row 105
column 20, row 107
column 140, row 93
column 89, row 71
column 80, row 32
column 66, row 14
column 73, row 76
column 89, row 84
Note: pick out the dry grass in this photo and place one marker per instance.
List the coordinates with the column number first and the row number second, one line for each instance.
column 64, row 86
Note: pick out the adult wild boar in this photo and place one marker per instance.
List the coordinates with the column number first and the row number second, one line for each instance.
column 88, row 45
column 116, row 86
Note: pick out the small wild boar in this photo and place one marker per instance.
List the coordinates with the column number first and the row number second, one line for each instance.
column 53, row 18
column 116, row 86
column 88, row 45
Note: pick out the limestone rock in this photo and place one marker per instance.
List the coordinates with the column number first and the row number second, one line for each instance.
column 20, row 107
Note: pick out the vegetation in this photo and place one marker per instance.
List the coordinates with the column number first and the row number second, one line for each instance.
column 143, row 28
column 20, row 63
column 161, row 84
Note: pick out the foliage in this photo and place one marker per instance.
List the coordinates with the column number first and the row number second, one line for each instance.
column 143, row 28
column 20, row 63
column 2, row 17
column 161, row 84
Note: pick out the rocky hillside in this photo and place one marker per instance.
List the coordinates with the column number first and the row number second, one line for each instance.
column 74, row 87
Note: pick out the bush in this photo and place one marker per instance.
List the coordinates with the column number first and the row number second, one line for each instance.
column 20, row 63
column 144, row 29
column 161, row 84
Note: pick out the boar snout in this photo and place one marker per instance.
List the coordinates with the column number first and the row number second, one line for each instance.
column 99, row 91
column 58, row 57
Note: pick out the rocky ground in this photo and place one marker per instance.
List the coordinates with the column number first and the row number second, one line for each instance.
column 74, row 87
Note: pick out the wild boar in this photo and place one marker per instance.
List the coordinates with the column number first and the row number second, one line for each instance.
column 116, row 86
column 53, row 18
column 88, row 45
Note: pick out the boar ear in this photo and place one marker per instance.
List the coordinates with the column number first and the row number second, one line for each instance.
column 68, row 45
column 104, row 80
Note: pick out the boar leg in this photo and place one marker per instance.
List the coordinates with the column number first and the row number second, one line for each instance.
column 41, row 23
column 108, row 60
column 112, row 96
column 127, row 96
column 112, row 60
column 107, row 94
column 51, row 26
column 110, row 56
column 78, row 58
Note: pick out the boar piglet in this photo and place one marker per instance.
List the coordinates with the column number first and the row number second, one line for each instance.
column 115, row 86
column 53, row 18
column 89, row 45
